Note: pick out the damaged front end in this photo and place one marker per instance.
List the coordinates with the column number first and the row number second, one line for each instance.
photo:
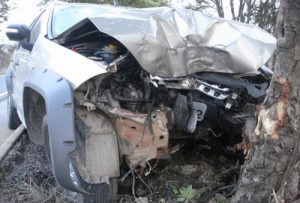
column 143, row 106
column 148, row 111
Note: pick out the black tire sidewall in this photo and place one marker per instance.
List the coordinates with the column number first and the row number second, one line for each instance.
column 13, row 118
column 45, row 134
column 101, row 193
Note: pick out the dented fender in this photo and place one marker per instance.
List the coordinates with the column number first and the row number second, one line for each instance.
column 73, row 67
column 58, row 96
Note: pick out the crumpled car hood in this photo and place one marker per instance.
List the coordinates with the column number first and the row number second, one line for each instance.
column 177, row 42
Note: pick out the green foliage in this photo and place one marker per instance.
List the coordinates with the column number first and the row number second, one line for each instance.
column 142, row 3
column 222, row 200
column 201, row 5
column 265, row 15
column 184, row 194
column 131, row 3
column 3, row 10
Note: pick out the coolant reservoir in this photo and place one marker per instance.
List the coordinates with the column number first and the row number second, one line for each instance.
column 109, row 53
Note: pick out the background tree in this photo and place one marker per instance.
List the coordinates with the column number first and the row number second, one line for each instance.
column 132, row 3
column 272, row 171
column 3, row 10
column 260, row 12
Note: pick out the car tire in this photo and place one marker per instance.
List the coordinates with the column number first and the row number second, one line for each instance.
column 13, row 118
column 45, row 134
column 101, row 193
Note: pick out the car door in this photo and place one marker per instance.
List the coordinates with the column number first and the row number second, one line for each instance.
column 21, row 63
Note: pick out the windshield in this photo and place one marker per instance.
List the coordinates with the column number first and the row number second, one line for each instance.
column 65, row 16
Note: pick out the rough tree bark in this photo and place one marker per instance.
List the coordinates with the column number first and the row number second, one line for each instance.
column 272, row 171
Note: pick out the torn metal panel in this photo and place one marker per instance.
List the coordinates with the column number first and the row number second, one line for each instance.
column 96, row 155
column 178, row 42
column 141, row 142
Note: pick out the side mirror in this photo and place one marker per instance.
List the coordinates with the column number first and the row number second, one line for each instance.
column 17, row 32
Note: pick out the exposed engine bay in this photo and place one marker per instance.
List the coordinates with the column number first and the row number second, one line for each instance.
column 152, row 115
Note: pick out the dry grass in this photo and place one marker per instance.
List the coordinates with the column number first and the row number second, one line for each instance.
column 45, row 193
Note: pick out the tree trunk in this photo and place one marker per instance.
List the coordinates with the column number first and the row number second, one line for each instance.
column 272, row 168
column 220, row 9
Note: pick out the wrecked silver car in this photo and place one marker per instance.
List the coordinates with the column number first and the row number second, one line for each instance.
column 105, row 88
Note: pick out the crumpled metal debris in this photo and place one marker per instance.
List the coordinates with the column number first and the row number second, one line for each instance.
column 172, row 42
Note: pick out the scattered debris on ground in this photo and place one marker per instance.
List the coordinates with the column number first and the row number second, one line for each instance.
column 196, row 173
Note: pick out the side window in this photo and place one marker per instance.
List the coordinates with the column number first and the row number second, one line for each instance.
column 35, row 28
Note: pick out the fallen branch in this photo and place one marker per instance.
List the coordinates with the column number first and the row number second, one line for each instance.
column 10, row 141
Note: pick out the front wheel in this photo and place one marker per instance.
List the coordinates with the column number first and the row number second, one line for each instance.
column 98, row 193
column 12, row 115
column 101, row 193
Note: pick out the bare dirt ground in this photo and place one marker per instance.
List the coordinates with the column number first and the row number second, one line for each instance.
column 195, row 173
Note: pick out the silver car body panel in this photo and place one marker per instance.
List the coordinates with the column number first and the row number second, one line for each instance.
column 177, row 42
column 58, row 97
column 65, row 62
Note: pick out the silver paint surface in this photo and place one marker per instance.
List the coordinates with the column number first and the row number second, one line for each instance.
column 177, row 42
